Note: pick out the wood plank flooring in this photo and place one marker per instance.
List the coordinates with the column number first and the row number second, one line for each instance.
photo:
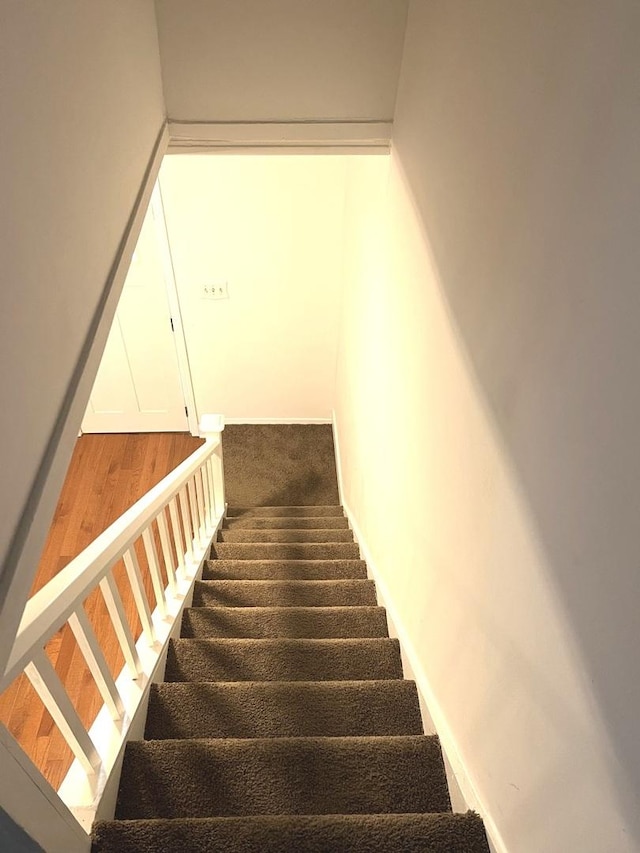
column 107, row 474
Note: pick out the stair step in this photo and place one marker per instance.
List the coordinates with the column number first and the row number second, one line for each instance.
column 289, row 551
column 264, row 570
column 259, row 622
column 249, row 593
column 283, row 709
column 245, row 534
column 266, row 523
column 371, row 833
column 310, row 511
column 283, row 660
column 220, row 777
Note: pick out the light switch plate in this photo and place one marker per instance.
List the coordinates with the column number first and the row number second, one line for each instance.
column 216, row 290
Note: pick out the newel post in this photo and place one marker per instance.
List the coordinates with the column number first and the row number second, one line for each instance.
column 212, row 426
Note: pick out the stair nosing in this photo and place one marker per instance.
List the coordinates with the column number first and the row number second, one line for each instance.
column 278, row 741
column 347, row 608
column 290, row 580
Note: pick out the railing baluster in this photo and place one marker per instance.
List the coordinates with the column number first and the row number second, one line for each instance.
column 98, row 667
column 194, row 512
column 208, row 495
column 208, row 509
column 202, row 513
column 184, row 510
column 47, row 684
column 209, row 474
column 112, row 599
column 139, row 595
column 154, row 569
column 166, row 552
column 177, row 533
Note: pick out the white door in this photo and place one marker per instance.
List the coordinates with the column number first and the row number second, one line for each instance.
column 138, row 388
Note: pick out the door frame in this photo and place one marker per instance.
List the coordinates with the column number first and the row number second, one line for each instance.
column 184, row 368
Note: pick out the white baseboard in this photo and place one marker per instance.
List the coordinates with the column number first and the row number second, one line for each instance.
column 277, row 420
column 464, row 792
column 336, row 450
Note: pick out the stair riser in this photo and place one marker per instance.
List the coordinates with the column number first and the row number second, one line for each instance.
column 206, row 778
column 281, row 551
column 247, row 535
column 425, row 833
column 283, row 709
column 342, row 593
column 311, row 511
column 322, row 522
column 283, row 660
column 285, row 570
column 296, row 622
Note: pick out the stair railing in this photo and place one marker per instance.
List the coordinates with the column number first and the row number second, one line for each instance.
column 187, row 508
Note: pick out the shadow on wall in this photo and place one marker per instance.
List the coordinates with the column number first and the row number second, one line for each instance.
column 531, row 200
column 13, row 838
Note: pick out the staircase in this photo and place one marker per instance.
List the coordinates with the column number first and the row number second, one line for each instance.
column 284, row 723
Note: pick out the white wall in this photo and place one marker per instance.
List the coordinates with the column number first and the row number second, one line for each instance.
column 81, row 109
column 272, row 227
column 283, row 60
column 487, row 407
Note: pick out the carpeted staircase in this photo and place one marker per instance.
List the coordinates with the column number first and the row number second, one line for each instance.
column 284, row 723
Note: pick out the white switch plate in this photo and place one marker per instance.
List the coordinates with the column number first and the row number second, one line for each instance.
column 215, row 290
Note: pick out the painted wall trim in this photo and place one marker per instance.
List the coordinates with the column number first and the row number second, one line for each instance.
column 338, row 455
column 299, row 136
column 180, row 340
column 277, row 420
column 435, row 717
column 24, row 551
column 324, row 149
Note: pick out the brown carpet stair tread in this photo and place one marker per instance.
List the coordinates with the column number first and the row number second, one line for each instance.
column 283, row 709
column 285, row 570
column 256, row 522
column 295, row 622
column 373, row 833
column 247, row 535
column 277, row 593
column 283, row 660
column 286, row 550
column 299, row 775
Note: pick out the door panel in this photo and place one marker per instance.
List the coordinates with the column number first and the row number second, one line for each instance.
column 138, row 388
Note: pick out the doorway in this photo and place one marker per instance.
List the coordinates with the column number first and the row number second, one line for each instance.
column 142, row 384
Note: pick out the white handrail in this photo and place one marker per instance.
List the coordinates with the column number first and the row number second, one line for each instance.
column 186, row 507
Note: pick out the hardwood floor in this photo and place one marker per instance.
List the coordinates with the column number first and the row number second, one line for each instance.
column 107, row 474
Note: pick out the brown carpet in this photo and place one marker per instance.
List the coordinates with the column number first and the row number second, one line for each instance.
column 257, row 623
column 392, row 833
column 283, row 660
column 289, row 593
column 279, row 464
column 284, row 724
column 283, row 709
column 285, row 551
column 284, row 570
